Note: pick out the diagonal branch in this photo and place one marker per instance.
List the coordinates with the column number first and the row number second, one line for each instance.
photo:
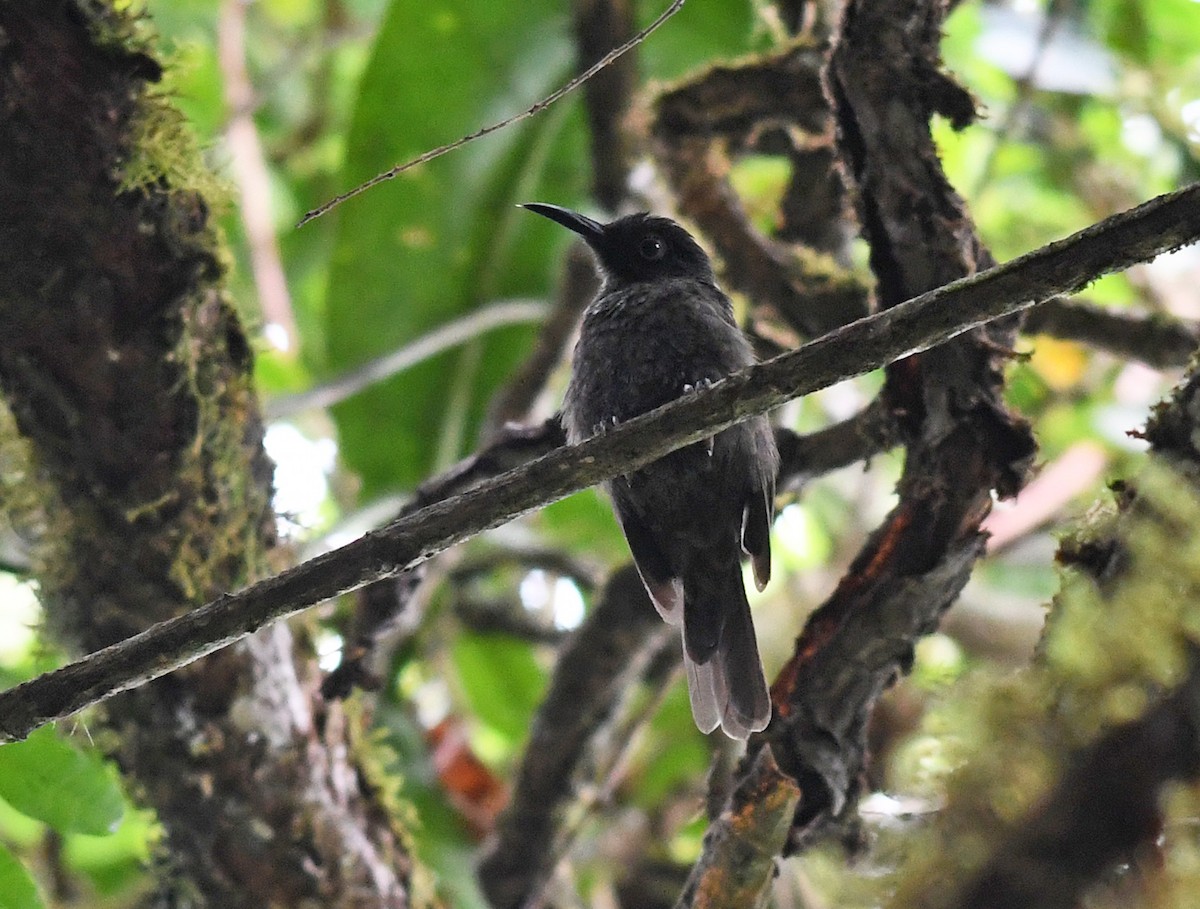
column 1162, row 224
column 452, row 334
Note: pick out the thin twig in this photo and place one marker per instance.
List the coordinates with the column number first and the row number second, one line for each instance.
column 442, row 338
column 537, row 108
column 1165, row 223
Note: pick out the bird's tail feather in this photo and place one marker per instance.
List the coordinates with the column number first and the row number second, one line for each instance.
column 708, row 704
column 729, row 689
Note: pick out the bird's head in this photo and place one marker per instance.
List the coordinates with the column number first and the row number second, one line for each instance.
column 635, row 248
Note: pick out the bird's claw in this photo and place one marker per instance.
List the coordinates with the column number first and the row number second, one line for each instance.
column 606, row 424
column 689, row 387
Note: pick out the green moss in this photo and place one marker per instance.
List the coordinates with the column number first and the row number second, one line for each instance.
column 166, row 153
column 22, row 493
column 1003, row 740
column 377, row 761
column 1110, row 652
column 1177, row 886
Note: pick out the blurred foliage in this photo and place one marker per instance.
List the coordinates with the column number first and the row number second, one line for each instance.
column 17, row 887
column 1109, row 651
column 345, row 89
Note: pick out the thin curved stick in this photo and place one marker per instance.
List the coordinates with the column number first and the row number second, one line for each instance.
column 488, row 130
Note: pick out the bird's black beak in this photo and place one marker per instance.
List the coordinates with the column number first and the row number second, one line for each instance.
column 591, row 231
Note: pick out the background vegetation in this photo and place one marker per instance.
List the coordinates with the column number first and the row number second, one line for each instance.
column 1086, row 109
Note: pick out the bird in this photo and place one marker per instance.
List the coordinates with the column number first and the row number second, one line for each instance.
column 660, row 328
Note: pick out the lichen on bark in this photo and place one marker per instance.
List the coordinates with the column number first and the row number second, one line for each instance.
column 127, row 369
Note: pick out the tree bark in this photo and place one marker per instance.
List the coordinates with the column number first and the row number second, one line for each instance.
column 128, row 371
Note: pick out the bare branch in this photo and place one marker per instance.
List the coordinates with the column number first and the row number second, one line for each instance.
column 1162, row 224
column 884, row 79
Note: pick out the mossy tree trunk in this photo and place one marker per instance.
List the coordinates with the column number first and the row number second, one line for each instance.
column 128, row 371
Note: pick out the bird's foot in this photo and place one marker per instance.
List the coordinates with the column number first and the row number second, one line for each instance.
column 606, row 424
column 699, row 385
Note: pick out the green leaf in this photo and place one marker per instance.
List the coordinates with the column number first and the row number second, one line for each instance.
column 1125, row 28
column 17, row 889
column 1162, row 33
column 585, row 523
column 1175, row 29
column 501, row 680
column 52, row 781
column 115, row 862
column 445, row 238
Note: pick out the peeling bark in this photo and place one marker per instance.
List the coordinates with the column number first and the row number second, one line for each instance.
column 962, row 443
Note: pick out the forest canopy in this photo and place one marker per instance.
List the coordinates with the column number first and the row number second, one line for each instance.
column 981, row 629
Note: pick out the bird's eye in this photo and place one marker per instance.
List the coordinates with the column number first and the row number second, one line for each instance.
column 652, row 248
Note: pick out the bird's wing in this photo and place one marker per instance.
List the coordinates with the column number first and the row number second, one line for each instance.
column 756, row 530
column 666, row 591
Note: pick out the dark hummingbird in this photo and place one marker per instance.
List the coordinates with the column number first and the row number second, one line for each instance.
column 659, row 328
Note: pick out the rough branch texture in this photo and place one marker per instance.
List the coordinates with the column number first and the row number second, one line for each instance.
column 741, row 846
column 693, row 125
column 961, row 442
column 128, row 371
column 1162, row 224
